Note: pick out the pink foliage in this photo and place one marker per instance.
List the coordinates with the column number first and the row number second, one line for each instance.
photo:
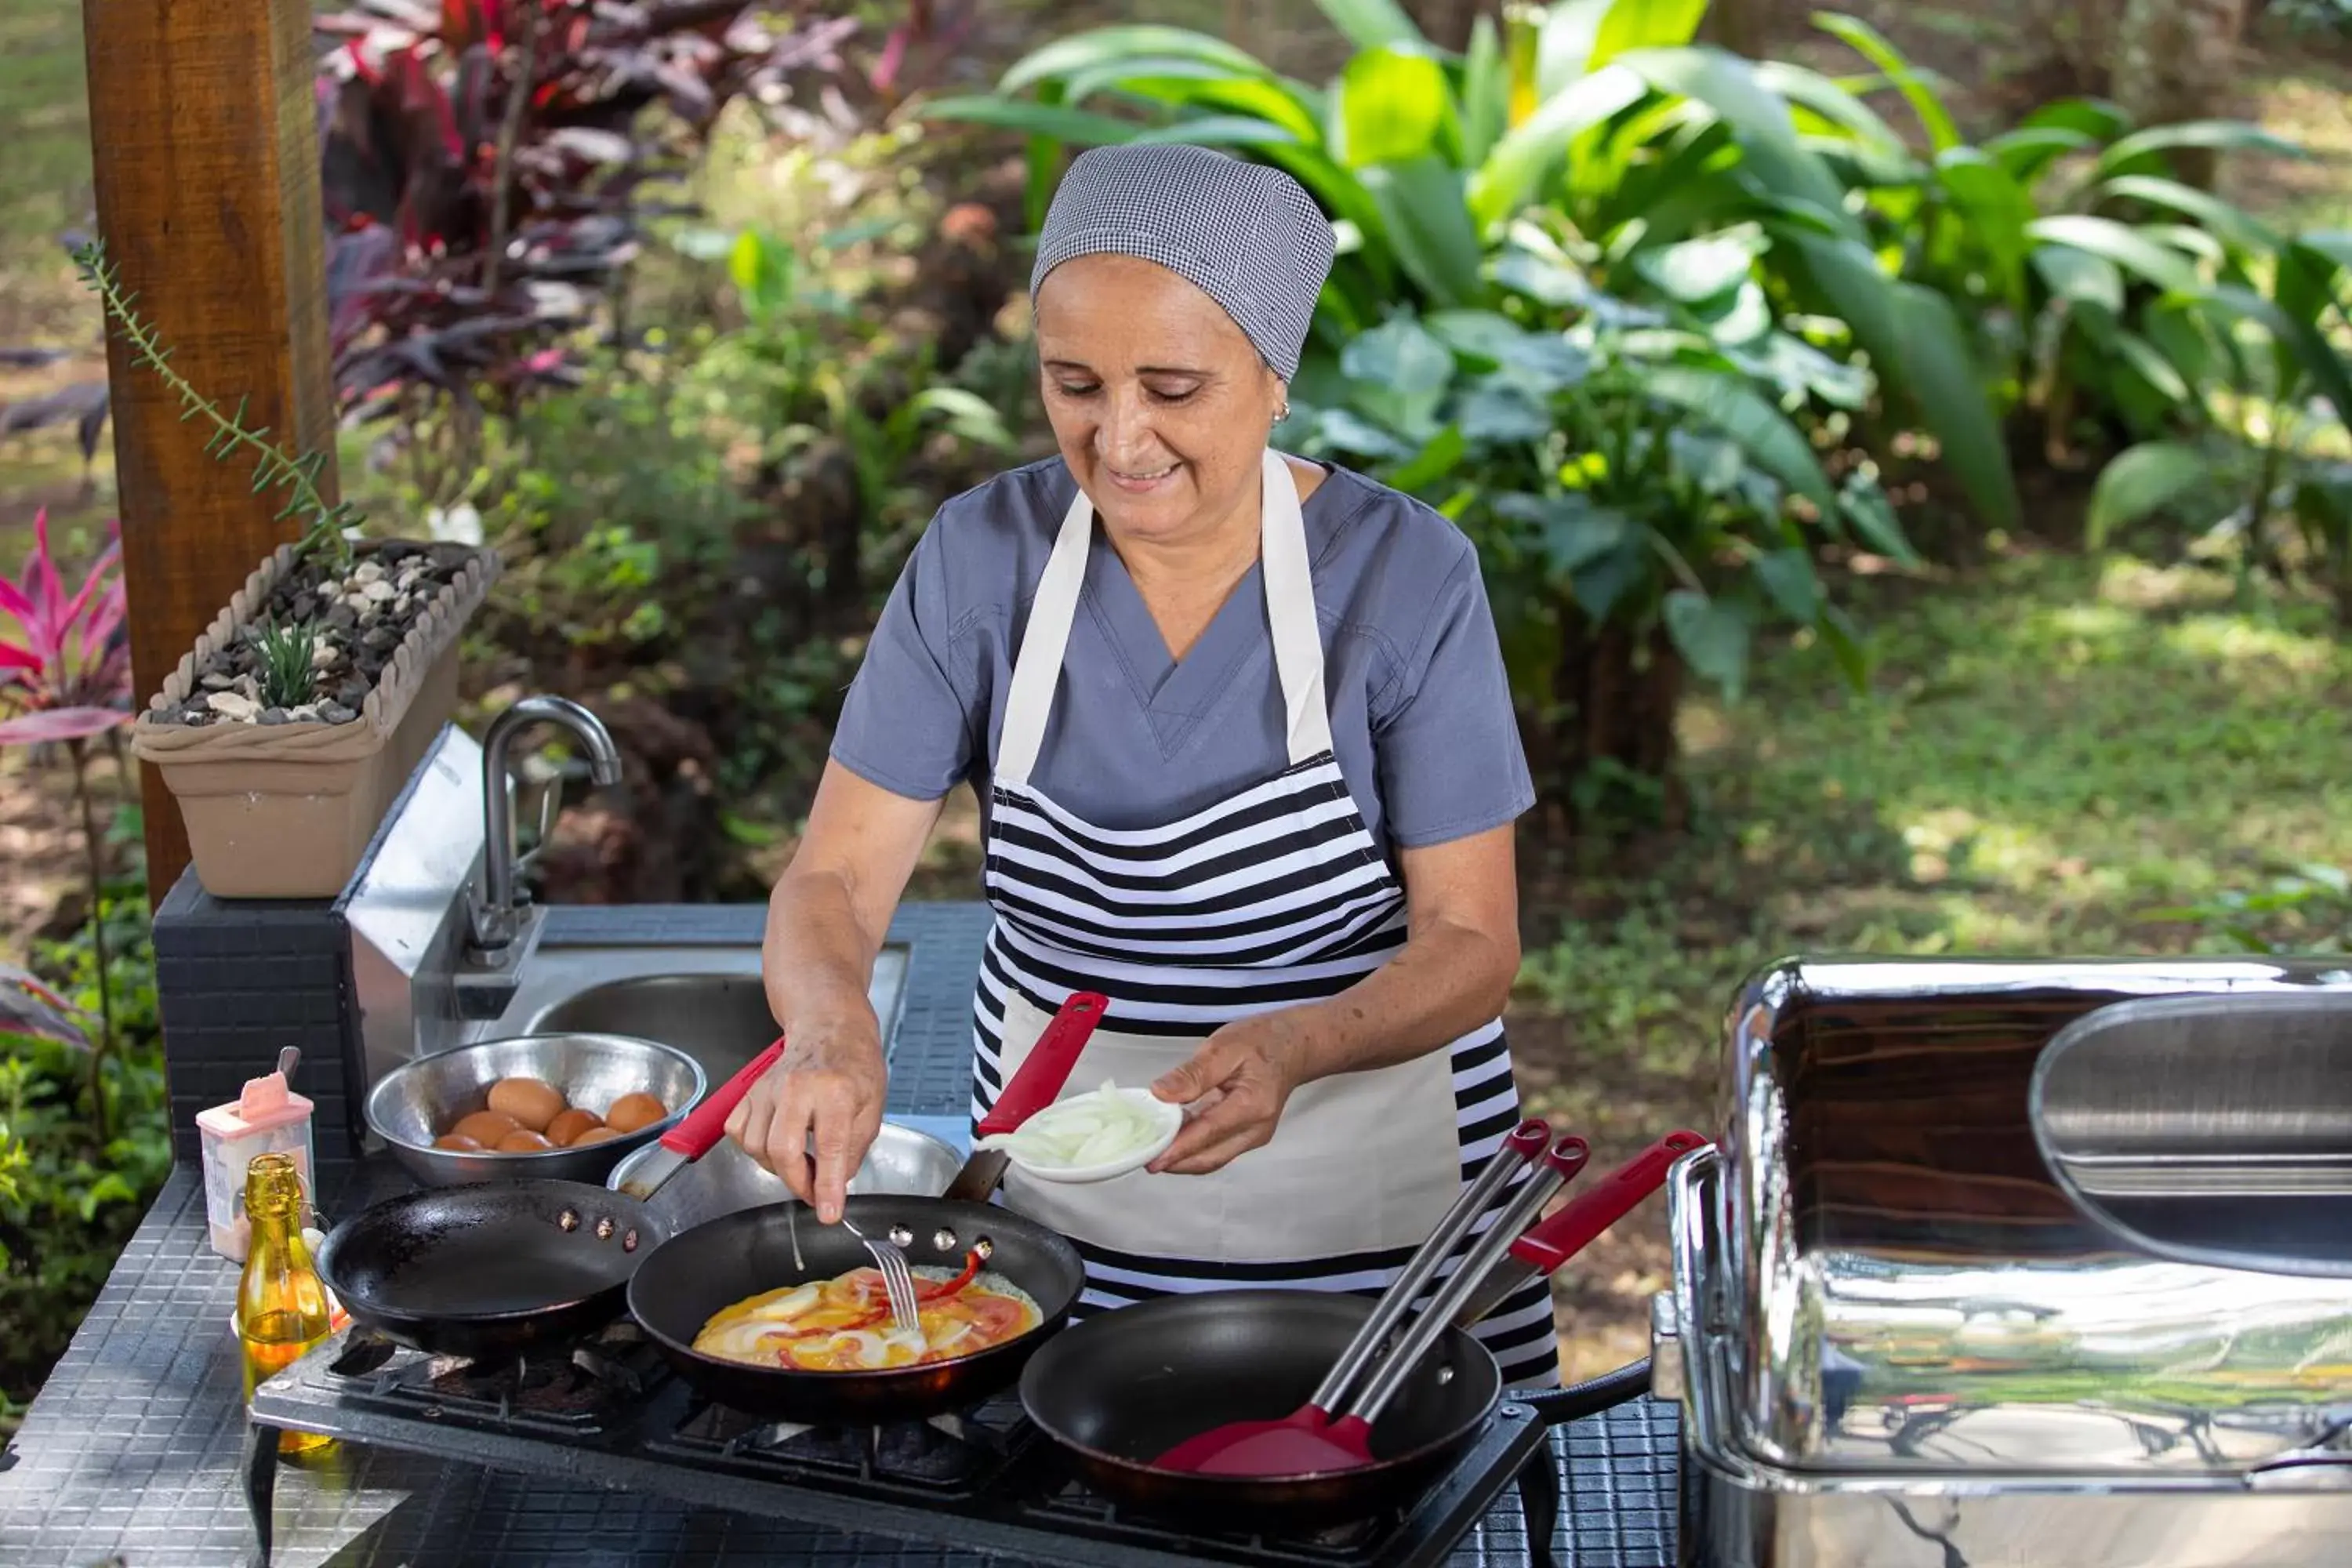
column 68, row 675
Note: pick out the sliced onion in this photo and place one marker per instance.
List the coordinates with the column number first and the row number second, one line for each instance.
column 1085, row 1130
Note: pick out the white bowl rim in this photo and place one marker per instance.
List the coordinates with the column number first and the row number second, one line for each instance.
column 1172, row 1117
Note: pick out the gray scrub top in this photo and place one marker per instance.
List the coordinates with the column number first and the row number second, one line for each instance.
column 1421, row 707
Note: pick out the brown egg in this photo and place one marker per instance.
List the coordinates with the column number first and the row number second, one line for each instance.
column 457, row 1140
column 565, row 1130
column 632, row 1111
column 523, row 1141
column 485, row 1127
column 594, row 1135
column 531, row 1104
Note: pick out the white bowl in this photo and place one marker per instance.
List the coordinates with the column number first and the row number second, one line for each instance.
column 1170, row 1118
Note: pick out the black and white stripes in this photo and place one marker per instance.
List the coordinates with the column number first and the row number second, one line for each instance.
column 1274, row 897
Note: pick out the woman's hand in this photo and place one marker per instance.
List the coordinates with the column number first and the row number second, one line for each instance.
column 826, row 920
column 1237, row 1083
column 825, row 1091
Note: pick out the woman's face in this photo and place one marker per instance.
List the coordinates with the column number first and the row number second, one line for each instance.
column 1160, row 405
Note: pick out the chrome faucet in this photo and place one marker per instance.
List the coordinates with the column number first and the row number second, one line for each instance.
column 499, row 915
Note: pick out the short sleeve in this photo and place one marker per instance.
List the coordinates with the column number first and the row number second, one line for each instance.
column 908, row 724
column 1446, row 741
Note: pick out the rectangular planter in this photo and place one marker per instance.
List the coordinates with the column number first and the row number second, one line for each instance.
column 286, row 810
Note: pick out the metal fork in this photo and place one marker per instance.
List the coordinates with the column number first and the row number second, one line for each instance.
column 897, row 1278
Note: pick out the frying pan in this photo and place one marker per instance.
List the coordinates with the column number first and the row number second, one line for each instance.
column 491, row 1268
column 1120, row 1389
column 691, row 1278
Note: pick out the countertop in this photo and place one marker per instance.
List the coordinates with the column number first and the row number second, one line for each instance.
column 131, row 1454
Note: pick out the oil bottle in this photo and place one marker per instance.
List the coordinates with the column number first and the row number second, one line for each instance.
column 281, row 1302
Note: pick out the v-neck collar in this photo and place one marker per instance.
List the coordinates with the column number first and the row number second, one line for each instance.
column 1160, row 677
column 1176, row 694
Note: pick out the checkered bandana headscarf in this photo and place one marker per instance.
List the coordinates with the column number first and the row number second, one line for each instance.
column 1248, row 236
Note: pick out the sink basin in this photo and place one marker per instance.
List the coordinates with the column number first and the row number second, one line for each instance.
column 718, row 1013
column 720, row 1020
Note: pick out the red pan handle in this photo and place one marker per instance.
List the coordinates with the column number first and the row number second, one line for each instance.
column 1583, row 1217
column 700, row 1132
column 1049, row 1065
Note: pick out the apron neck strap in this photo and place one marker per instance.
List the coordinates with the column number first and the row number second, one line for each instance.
column 1290, row 610
column 1290, row 613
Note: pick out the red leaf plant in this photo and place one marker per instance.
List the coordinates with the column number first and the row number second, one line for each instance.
column 486, row 165
column 66, row 678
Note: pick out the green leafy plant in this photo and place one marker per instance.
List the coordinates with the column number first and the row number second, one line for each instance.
column 2269, row 469
column 1645, row 497
column 86, row 1138
column 2304, row 908
column 2053, row 238
column 1603, row 116
column 325, row 523
column 289, row 678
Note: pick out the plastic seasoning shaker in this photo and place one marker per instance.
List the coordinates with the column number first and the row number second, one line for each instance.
column 268, row 1117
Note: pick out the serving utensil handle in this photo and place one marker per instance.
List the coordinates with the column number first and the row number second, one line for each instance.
column 700, row 1131
column 1564, row 1159
column 1049, row 1065
column 1525, row 1142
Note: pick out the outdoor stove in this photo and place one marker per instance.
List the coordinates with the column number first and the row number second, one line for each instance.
column 608, row 1411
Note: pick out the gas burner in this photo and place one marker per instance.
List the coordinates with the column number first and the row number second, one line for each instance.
column 571, row 1388
column 949, row 1455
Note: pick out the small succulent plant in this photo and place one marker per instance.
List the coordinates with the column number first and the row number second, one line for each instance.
column 289, row 678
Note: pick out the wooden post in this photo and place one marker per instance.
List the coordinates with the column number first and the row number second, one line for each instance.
column 206, row 162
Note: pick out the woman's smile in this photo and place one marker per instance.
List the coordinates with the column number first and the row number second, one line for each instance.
column 1142, row 481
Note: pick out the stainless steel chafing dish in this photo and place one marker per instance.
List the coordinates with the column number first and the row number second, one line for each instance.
column 2020, row 1263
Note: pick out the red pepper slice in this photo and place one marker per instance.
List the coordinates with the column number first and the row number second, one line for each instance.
column 882, row 1315
column 970, row 1271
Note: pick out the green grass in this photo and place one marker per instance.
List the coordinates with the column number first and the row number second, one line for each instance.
column 2048, row 755
column 44, row 178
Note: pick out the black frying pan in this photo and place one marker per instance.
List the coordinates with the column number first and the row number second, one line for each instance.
column 688, row 1278
column 1120, row 1389
column 490, row 1268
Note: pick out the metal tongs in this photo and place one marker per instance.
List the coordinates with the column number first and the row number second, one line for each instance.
column 1332, row 1430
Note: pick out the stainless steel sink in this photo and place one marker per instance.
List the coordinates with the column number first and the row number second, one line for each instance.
column 720, row 1020
column 708, row 1002
column 418, row 992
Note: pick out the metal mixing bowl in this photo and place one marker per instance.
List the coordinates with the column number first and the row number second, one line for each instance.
column 419, row 1101
column 902, row 1159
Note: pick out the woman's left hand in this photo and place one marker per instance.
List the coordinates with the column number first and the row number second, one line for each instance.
column 1237, row 1084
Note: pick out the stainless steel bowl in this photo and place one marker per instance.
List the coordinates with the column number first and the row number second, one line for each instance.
column 902, row 1159
column 419, row 1101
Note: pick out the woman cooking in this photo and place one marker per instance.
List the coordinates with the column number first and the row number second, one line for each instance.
column 1240, row 730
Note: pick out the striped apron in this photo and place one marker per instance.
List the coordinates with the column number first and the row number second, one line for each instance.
column 1275, row 896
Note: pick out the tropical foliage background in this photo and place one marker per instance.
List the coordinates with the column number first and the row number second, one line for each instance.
column 1907, row 445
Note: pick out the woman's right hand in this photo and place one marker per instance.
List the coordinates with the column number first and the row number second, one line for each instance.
column 824, row 1094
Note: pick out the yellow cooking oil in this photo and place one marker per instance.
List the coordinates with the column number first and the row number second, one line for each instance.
column 281, row 1302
